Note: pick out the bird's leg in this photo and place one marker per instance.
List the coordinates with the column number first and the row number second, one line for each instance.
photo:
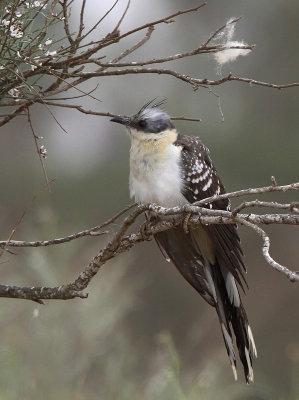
column 145, row 231
column 146, row 228
column 185, row 222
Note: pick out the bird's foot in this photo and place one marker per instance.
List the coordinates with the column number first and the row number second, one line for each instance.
column 146, row 230
column 186, row 222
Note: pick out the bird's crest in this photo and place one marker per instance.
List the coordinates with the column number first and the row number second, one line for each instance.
column 152, row 104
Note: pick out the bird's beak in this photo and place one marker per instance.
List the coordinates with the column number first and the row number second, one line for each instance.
column 121, row 120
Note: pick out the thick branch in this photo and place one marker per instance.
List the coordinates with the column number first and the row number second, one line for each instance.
column 38, row 293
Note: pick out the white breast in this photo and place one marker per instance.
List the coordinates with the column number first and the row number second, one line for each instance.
column 155, row 174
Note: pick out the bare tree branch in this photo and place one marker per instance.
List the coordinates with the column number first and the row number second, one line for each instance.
column 194, row 82
column 292, row 276
column 23, row 67
column 35, row 138
column 122, row 242
column 261, row 190
column 293, row 207
column 20, row 219
column 199, row 50
column 95, row 231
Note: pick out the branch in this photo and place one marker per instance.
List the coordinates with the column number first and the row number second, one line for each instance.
column 38, row 293
column 293, row 276
column 104, row 114
column 166, row 20
column 260, row 190
column 24, row 67
column 194, row 82
column 79, row 108
column 200, row 50
column 122, row 242
column 95, row 231
column 293, row 207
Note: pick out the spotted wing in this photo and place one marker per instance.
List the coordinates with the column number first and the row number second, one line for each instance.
column 202, row 181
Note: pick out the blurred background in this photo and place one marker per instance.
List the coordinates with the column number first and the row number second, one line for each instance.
column 143, row 333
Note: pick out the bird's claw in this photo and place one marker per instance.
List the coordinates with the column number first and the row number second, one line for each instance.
column 145, row 230
column 186, row 222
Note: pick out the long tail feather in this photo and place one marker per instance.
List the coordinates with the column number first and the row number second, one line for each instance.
column 232, row 317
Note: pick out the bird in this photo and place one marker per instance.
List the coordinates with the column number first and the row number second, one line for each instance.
column 171, row 169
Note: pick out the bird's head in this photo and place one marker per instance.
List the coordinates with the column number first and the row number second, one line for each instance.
column 151, row 122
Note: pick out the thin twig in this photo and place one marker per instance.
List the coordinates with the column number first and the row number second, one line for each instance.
column 66, row 24
column 216, row 33
column 164, row 20
column 29, row 205
column 136, row 46
column 195, row 82
column 95, row 231
column 182, row 118
column 79, row 108
column 239, row 193
column 174, row 57
column 292, row 276
column 99, row 21
column 269, row 204
column 122, row 17
column 81, row 22
column 106, row 114
column 35, row 138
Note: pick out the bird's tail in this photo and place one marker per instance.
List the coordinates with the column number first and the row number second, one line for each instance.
column 232, row 317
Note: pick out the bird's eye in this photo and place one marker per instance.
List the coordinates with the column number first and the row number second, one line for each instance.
column 142, row 123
